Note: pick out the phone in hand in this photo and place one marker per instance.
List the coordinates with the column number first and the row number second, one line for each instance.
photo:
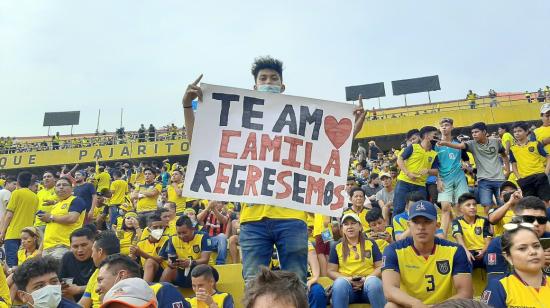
column 545, row 242
column 173, row 259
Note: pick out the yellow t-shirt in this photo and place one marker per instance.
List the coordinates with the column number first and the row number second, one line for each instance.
column 23, row 204
column 507, row 137
column 256, row 212
column 221, row 299
column 152, row 249
column 417, row 159
column 529, row 158
column 58, row 234
column 103, row 180
column 146, row 204
column 4, row 290
column 542, row 133
column 498, row 228
column 22, row 256
column 43, row 196
column 353, row 265
column 319, row 224
column 119, row 189
column 173, row 196
column 362, row 216
column 473, row 234
column 127, row 238
column 90, row 291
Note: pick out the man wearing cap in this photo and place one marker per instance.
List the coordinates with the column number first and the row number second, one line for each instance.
column 423, row 270
column 131, row 292
column 451, row 182
column 416, row 162
column 542, row 133
column 385, row 196
column 486, row 154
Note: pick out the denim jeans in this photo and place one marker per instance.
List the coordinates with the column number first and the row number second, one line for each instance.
column 343, row 294
column 219, row 242
column 317, row 297
column 402, row 190
column 11, row 247
column 288, row 235
column 488, row 189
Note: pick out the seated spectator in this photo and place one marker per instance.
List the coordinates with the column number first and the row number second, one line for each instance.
column 471, row 231
column 66, row 216
column 130, row 293
column 423, row 269
column 39, row 284
column 214, row 221
column 527, row 286
column 503, row 214
column 204, row 278
column 379, row 231
column 106, row 244
column 275, row 289
column 357, row 198
column 77, row 265
column 120, row 267
column 129, row 232
column 372, row 187
column 147, row 249
column 529, row 210
column 30, row 244
column 401, row 221
column 184, row 252
column 192, row 214
column 354, row 265
column 384, row 197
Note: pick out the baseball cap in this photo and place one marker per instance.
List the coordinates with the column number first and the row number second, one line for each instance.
column 132, row 292
column 545, row 108
column 384, row 175
column 352, row 216
column 508, row 184
column 423, row 208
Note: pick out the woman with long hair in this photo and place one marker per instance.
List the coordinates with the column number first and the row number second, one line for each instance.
column 354, row 265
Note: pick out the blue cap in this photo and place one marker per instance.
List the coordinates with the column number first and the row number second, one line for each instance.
column 424, row 209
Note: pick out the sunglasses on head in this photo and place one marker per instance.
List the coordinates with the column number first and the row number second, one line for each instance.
column 513, row 226
column 541, row 220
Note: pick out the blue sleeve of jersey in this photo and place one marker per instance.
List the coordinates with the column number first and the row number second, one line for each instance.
column 493, row 258
column 456, row 227
column 206, row 243
column 77, row 205
column 376, row 255
column 542, row 152
column 494, row 295
column 169, row 296
column 460, row 262
column 512, row 158
column 228, row 301
column 407, row 152
column 435, row 164
column 333, row 256
column 548, row 212
column 167, row 249
column 500, row 148
column 486, row 228
column 389, row 259
column 532, row 136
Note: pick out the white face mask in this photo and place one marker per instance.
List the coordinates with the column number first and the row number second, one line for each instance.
column 157, row 233
column 269, row 88
column 47, row 297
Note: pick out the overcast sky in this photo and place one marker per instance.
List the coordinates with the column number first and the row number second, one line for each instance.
column 140, row 55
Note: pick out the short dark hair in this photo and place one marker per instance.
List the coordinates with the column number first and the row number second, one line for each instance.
column 108, row 242
column 11, row 179
column 266, row 62
column 171, row 205
column 521, row 124
column 414, row 196
column 117, row 173
column 24, row 179
column 427, row 129
column 50, row 172
column 354, row 189
column 161, row 210
column 84, row 231
column 153, row 218
column 479, row 125
column 149, row 169
column 184, row 220
column 374, row 214
column 282, row 285
column 205, row 270
column 530, row 203
column 32, row 268
column 118, row 262
column 412, row 132
column 465, row 197
column 504, row 126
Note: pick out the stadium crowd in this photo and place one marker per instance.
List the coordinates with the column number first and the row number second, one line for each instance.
column 420, row 219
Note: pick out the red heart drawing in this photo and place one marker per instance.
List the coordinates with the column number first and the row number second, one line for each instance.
column 337, row 131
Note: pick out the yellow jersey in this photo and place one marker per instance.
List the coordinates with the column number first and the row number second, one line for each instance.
column 187, row 250
column 127, row 238
column 529, row 158
column 147, row 204
column 23, row 204
column 90, row 291
column 4, row 290
column 58, row 234
column 362, row 216
column 417, row 159
column 152, row 249
column 43, row 196
column 427, row 279
column 223, row 300
column 22, row 256
column 103, row 180
column 542, row 133
column 355, row 264
column 512, row 291
column 256, row 212
column 498, row 228
column 474, row 235
column 173, row 196
column 119, row 190
column 507, row 137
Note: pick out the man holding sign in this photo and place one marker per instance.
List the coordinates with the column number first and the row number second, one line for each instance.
column 263, row 158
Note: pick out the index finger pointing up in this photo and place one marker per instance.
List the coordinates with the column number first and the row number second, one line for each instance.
column 196, row 82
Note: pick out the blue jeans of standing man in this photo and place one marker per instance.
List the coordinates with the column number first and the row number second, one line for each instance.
column 219, row 242
column 11, row 247
column 402, row 190
column 288, row 235
column 372, row 293
column 488, row 189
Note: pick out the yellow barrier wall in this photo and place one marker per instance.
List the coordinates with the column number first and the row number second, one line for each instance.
column 89, row 154
column 462, row 118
